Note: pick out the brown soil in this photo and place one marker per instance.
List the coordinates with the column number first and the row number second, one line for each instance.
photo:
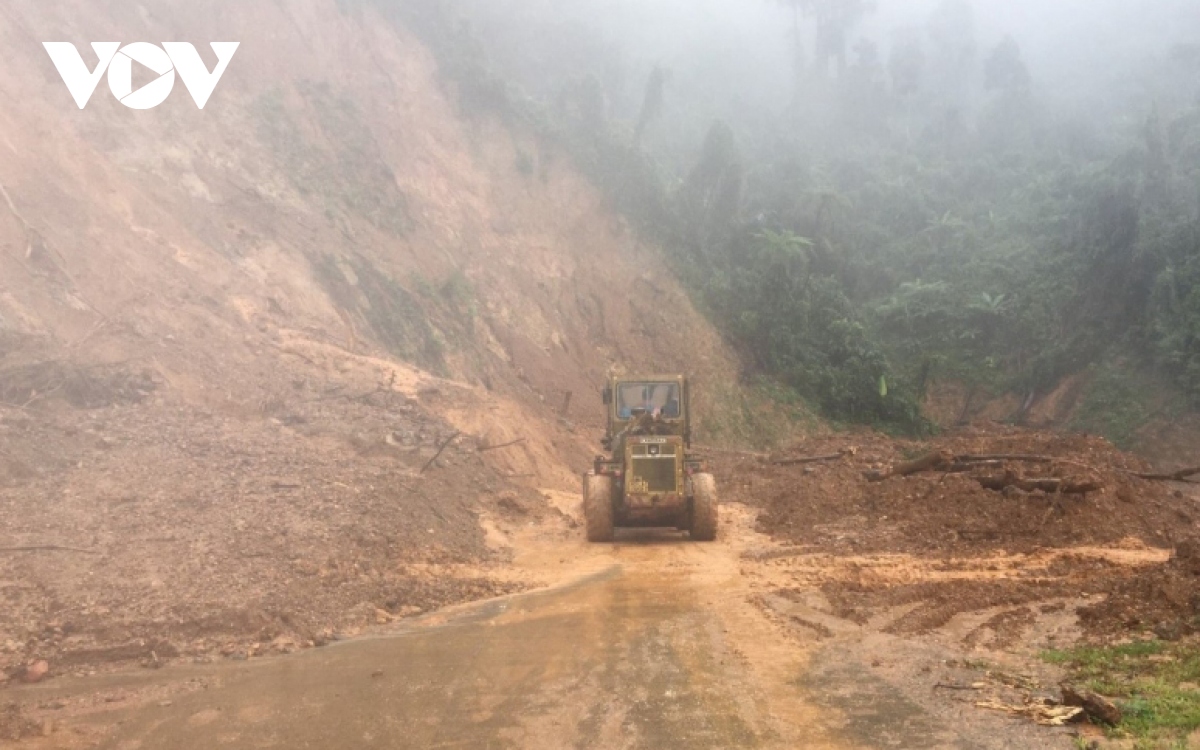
column 14, row 725
column 180, row 531
column 833, row 505
column 951, row 518
column 1164, row 600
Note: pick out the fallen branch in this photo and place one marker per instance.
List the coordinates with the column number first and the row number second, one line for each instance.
column 1178, row 476
column 808, row 459
column 509, row 444
column 1042, row 711
column 956, row 686
column 38, row 396
column 1021, row 457
column 995, row 533
column 48, row 548
column 441, row 448
column 960, row 467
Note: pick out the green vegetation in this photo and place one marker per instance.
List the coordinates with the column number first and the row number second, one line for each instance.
column 760, row 414
column 1112, row 406
column 1157, row 685
column 886, row 221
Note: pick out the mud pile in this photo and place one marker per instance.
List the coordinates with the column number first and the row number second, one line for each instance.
column 834, row 505
column 991, row 546
column 160, row 531
column 1164, row 600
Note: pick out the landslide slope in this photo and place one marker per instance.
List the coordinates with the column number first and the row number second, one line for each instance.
column 329, row 196
column 233, row 340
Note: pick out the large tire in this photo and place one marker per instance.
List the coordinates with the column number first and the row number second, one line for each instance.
column 598, row 507
column 704, row 508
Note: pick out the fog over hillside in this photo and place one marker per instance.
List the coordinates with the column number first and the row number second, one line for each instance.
column 998, row 195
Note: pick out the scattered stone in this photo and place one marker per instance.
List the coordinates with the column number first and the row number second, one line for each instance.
column 36, row 672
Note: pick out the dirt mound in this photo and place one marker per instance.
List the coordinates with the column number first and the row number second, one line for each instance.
column 1162, row 600
column 165, row 530
column 988, row 493
column 997, row 502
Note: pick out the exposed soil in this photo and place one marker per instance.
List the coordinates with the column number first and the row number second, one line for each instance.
column 1163, row 600
column 184, row 532
column 834, row 505
column 956, row 524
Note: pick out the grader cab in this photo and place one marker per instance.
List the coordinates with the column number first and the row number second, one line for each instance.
column 651, row 479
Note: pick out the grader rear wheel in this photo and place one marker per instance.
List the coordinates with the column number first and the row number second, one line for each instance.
column 704, row 508
column 598, row 507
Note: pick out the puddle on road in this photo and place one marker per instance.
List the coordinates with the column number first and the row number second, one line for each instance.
column 610, row 661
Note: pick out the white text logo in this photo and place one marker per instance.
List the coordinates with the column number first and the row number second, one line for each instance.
column 166, row 61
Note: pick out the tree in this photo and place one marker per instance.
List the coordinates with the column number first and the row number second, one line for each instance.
column 834, row 20
column 907, row 65
column 652, row 104
column 712, row 194
column 1005, row 70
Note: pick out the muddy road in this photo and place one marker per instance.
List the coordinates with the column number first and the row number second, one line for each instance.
column 651, row 642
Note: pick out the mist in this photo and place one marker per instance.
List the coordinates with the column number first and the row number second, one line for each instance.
column 996, row 194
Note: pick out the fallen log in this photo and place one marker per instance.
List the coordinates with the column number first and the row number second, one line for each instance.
column 809, row 459
column 928, row 462
column 1017, row 457
column 1048, row 485
column 1097, row 707
column 1178, row 476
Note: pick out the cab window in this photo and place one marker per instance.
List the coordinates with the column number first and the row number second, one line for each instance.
column 661, row 399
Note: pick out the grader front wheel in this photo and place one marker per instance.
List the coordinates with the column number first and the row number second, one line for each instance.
column 704, row 508
column 598, row 507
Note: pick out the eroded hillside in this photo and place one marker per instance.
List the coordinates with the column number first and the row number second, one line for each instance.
column 328, row 197
column 237, row 344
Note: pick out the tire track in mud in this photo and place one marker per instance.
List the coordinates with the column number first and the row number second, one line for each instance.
column 652, row 641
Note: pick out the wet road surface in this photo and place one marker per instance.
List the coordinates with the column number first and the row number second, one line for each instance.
column 652, row 642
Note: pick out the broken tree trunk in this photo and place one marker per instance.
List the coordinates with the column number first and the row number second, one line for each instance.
column 928, row 462
column 1097, row 707
column 1049, row 485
